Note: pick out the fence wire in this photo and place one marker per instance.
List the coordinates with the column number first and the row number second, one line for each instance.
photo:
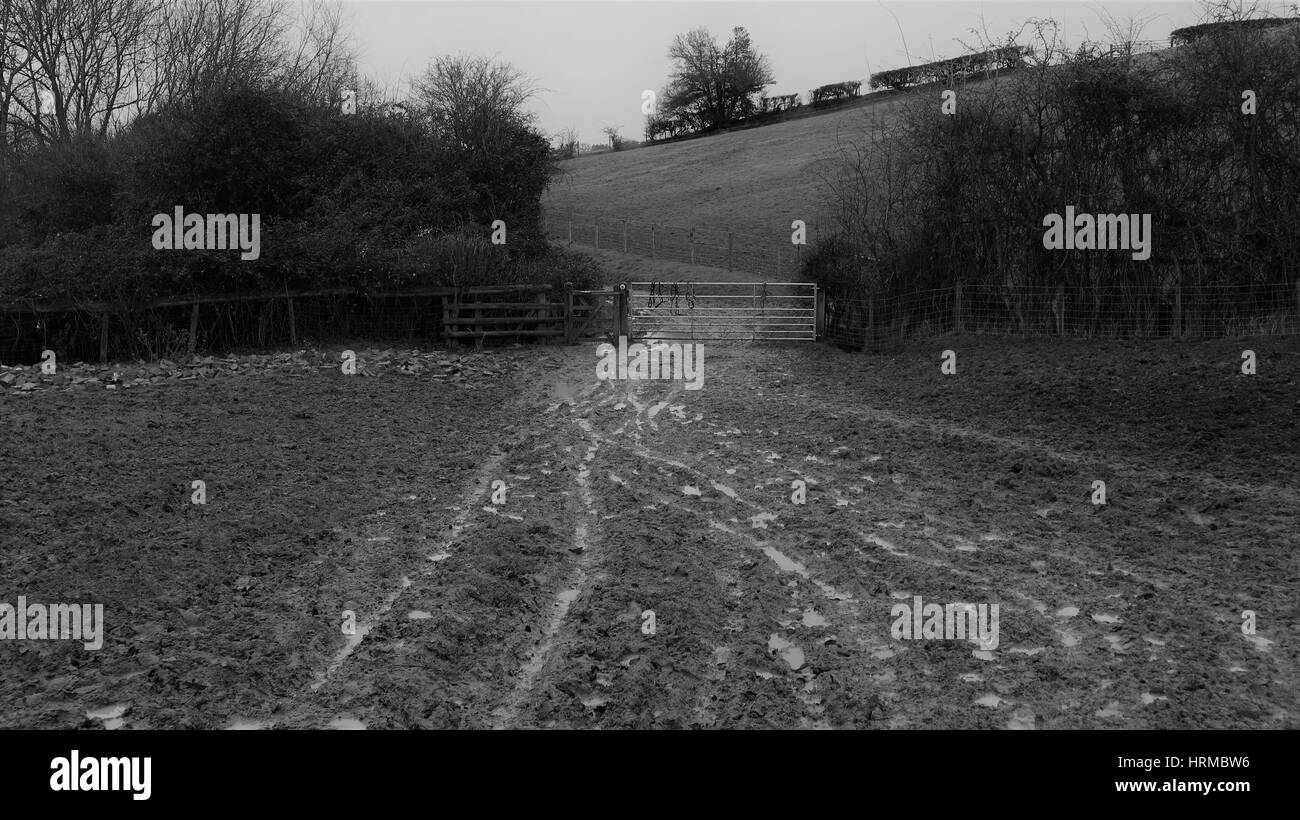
column 1129, row 312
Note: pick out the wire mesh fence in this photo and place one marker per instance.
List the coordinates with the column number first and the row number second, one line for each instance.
column 1121, row 311
column 757, row 256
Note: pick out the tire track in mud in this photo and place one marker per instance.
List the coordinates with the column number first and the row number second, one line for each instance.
column 574, row 586
column 842, row 605
column 372, row 615
column 1025, row 590
column 938, row 429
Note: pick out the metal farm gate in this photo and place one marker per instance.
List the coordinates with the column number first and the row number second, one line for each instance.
column 743, row 311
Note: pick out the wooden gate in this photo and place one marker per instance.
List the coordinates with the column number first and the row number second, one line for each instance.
column 596, row 314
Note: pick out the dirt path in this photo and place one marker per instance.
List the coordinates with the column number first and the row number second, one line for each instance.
column 769, row 613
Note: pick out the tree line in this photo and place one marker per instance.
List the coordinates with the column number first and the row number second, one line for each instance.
column 112, row 111
column 1205, row 138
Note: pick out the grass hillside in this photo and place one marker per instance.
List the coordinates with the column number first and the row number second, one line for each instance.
column 755, row 180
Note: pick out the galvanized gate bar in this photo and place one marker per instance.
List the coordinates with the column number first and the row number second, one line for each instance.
column 723, row 310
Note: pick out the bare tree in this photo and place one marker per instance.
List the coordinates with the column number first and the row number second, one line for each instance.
column 471, row 99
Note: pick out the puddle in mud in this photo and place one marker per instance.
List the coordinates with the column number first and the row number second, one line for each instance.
column 990, row 700
column 346, row 723
column 240, row 724
column 1067, row 637
column 1259, row 642
column 759, row 522
column 1111, row 710
column 567, row 597
column 113, row 711
column 1067, row 612
column 787, row 651
column 970, row 677
column 418, row 615
column 594, row 701
column 1022, row 719
column 1148, row 698
column 883, row 544
column 725, row 490
column 1105, row 618
column 784, row 561
column 1028, row 650
column 689, row 490
column 984, row 655
column 813, row 618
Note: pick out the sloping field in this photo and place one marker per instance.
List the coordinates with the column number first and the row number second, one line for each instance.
column 756, row 180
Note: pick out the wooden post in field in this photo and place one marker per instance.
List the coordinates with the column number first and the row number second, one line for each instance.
column 293, row 328
column 730, row 247
column 1060, row 309
column 194, row 328
column 778, row 262
column 956, row 306
column 570, row 229
column 624, row 236
column 692, row 246
column 568, row 313
column 597, row 229
column 264, row 322
column 103, row 338
column 652, row 242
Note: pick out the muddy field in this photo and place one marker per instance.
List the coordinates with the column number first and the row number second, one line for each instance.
column 375, row 493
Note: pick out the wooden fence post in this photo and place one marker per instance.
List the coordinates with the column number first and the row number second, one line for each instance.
column 570, row 227
column 652, row 242
column 194, row 328
column 263, row 322
column 293, row 328
column 730, row 247
column 624, row 236
column 778, row 263
column 568, row 313
column 956, row 306
column 692, row 246
column 103, row 338
column 597, row 230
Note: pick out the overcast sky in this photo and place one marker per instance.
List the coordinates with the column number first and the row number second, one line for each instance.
column 593, row 59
